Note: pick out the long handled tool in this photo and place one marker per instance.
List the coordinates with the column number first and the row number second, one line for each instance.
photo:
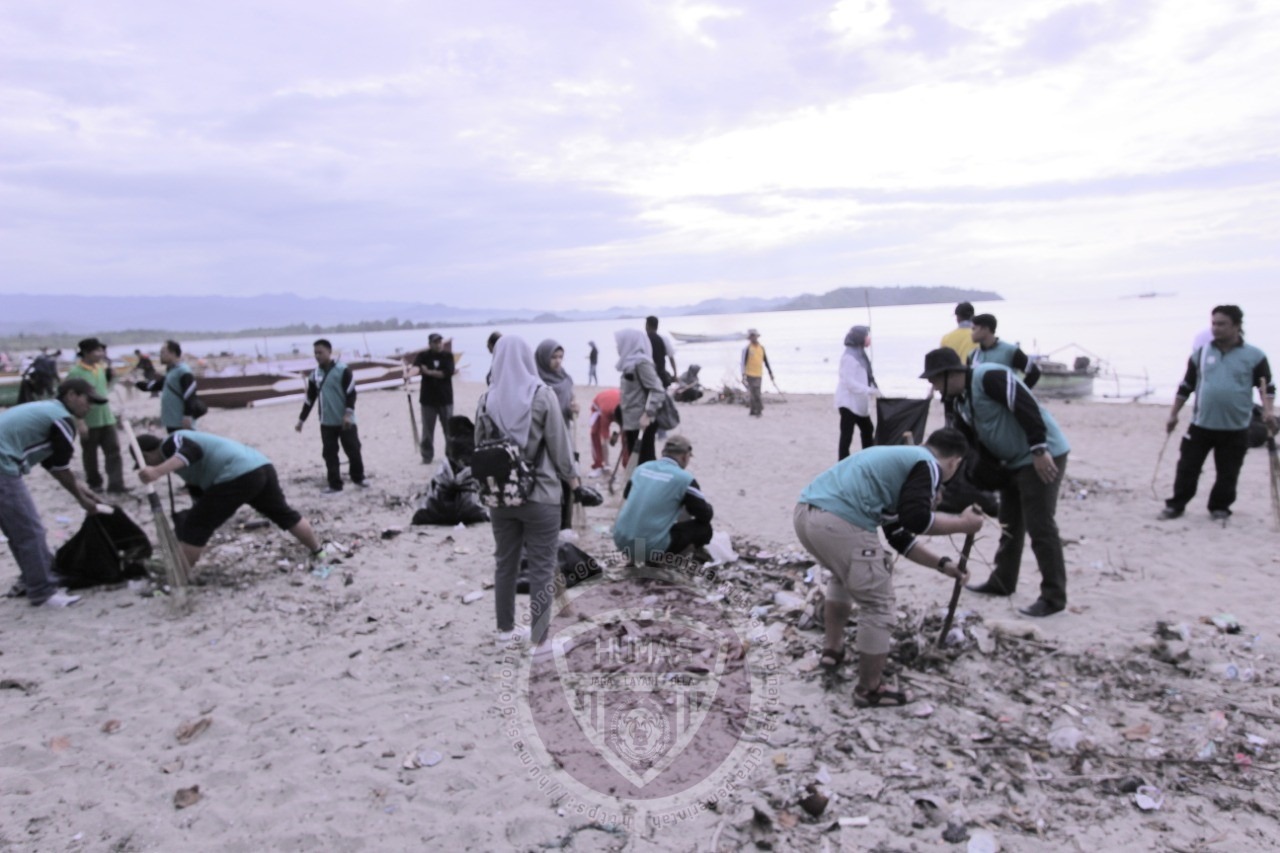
column 775, row 387
column 413, row 416
column 955, row 593
column 1159, row 459
column 175, row 565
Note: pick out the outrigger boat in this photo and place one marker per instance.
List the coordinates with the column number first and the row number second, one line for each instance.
column 690, row 338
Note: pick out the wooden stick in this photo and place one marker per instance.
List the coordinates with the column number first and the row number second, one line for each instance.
column 955, row 592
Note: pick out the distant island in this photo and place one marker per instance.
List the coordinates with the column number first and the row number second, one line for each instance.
column 32, row 321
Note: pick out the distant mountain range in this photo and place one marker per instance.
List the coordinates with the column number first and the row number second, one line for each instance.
column 33, row 314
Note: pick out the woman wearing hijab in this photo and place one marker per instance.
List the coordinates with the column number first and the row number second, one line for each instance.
column 550, row 360
column 518, row 405
column 642, row 392
column 856, row 389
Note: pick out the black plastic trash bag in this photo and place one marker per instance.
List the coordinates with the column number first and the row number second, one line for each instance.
column 454, row 498
column 108, row 548
column 896, row 416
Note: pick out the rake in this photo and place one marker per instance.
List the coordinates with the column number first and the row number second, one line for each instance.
column 175, row 565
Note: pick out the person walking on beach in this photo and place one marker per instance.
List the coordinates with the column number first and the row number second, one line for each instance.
column 435, row 396
column 222, row 476
column 520, row 407
column 960, row 339
column 549, row 357
column 895, row 488
column 642, row 393
column 593, row 359
column 334, row 387
column 755, row 361
column 1223, row 375
column 41, row 433
column 647, row 529
column 178, row 400
column 658, row 351
column 100, row 422
column 992, row 350
column 856, row 390
column 1028, row 454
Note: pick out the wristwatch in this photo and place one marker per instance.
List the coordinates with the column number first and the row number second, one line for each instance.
column 1039, row 451
column 943, row 563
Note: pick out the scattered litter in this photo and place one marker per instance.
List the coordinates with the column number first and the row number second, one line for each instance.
column 186, row 797
column 110, row 727
column 322, row 572
column 860, row 820
column 982, row 841
column 473, row 597
column 1226, row 623
column 188, row 732
column 1149, row 798
column 427, row 758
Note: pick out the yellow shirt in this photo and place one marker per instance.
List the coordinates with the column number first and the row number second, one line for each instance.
column 753, row 363
column 960, row 340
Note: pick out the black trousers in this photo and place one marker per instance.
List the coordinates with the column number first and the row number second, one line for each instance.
column 1228, row 448
column 686, row 533
column 349, row 438
column 1027, row 510
column 848, row 420
column 648, row 443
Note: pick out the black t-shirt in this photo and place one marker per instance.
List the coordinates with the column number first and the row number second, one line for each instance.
column 659, row 347
column 436, row 392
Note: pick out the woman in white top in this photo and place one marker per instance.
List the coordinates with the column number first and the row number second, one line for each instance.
column 856, row 389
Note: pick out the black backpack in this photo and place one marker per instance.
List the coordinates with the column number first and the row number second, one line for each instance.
column 504, row 476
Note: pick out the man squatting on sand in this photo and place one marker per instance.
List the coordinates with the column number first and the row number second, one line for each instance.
column 222, row 476
column 647, row 529
column 895, row 487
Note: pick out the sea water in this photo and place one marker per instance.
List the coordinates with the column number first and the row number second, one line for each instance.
column 1142, row 342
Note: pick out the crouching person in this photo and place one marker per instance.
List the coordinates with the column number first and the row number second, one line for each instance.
column 895, row 488
column 647, row 529
column 222, row 475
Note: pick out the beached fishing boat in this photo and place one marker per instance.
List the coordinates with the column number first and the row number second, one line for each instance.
column 262, row 389
column 690, row 338
column 1061, row 381
column 10, row 385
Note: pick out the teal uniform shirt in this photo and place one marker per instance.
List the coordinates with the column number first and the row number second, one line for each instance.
column 1224, row 385
column 28, row 437
column 993, row 421
column 863, row 488
column 214, row 460
column 657, row 493
column 1001, row 353
column 173, row 400
column 331, row 389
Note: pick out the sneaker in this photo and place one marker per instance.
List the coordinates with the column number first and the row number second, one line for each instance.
column 518, row 636
column 1219, row 514
column 547, row 648
column 1169, row 513
column 363, row 484
column 330, row 490
column 60, row 598
column 18, row 590
column 595, row 474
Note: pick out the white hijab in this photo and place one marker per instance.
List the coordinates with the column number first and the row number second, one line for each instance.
column 513, row 381
column 633, row 348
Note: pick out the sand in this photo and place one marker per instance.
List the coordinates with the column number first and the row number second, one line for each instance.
column 320, row 690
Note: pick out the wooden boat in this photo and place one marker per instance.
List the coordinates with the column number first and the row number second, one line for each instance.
column 1065, row 382
column 690, row 338
column 263, row 389
column 10, row 385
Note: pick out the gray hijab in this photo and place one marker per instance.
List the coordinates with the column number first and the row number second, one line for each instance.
column 557, row 380
column 513, row 382
column 856, row 341
column 633, row 348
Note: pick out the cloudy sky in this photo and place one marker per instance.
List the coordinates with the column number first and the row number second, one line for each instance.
column 584, row 153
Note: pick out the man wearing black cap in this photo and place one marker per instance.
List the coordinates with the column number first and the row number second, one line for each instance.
column 1026, row 452
column 646, row 528
column 41, row 432
column 93, row 368
column 435, row 397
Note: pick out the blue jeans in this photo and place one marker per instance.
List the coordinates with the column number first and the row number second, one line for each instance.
column 20, row 522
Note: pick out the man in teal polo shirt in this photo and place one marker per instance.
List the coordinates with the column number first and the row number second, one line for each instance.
column 222, row 476
column 647, row 529
column 333, row 387
column 992, row 350
column 1223, row 374
column 177, row 387
column 896, row 488
column 1023, row 446
column 41, row 433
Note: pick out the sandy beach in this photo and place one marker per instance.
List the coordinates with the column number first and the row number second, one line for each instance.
column 323, row 693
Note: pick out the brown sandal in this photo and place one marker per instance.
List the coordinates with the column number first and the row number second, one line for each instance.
column 831, row 659
column 880, row 697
